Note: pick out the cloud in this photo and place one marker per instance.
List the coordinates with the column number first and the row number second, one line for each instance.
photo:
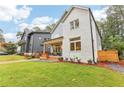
column 9, row 13
column 56, row 20
column 43, row 20
column 40, row 22
column 10, row 36
column 22, row 26
column 22, row 13
column 100, row 14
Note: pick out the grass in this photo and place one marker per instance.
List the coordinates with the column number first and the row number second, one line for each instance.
column 44, row 74
column 11, row 58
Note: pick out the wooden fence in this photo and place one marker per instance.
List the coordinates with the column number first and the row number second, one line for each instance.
column 109, row 55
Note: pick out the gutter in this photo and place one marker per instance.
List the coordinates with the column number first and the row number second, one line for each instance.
column 92, row 37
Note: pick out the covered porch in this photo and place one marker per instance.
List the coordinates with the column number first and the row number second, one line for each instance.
column 55, row 46
column 52, row 49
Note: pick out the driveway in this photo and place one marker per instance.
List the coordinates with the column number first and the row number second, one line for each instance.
column 116, row 67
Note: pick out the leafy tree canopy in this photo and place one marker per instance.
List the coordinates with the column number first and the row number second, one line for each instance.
column 112, row 29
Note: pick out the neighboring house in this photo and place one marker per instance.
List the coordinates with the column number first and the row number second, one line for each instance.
column 1, row 46
column 76, row 35
column 32, row 41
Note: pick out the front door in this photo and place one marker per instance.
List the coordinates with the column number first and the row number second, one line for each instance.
column 57, row 50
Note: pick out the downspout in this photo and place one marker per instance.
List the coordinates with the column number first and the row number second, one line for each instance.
column 92, row 37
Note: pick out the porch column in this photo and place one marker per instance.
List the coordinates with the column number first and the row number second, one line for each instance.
column 51, row 49
column 44, row 48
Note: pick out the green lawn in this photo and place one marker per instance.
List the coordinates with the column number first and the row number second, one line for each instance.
column 11, row 58
column 57, row 74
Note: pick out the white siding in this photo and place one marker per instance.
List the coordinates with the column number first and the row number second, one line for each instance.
column 83, row 31
column 96, row 38
column 58, row 31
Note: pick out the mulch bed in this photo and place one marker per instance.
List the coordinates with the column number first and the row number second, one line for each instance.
column 99, row 64
column 121, row 63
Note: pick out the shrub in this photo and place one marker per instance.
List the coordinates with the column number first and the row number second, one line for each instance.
column 71, row 60
column 28, row 55
column 11, row 48
column 89, row 61
column 66, row 59
column 60, row 59
column 78, row 60
column 121, row 57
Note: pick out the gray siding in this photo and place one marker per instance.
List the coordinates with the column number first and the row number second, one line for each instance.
column 36, row 42
column 24, row 38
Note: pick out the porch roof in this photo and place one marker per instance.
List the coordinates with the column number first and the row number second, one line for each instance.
column 53, row 41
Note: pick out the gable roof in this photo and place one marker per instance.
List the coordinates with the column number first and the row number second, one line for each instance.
column 95, row 23
column 59, row 21
column 33, row 32
column 38, row 33
column 26, row 31
column 23, row 35
column 66, row 14
column 71, row 8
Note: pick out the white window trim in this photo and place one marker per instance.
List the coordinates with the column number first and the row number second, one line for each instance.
column 74, row 24
column 75, row 46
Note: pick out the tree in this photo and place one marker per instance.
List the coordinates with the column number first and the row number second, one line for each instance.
column 1, row 36
column 36, row 29
column 20, row 42
column 50, row 27
column 19, row 34
column 112, row 29
column 11, row 48
column 1, row 31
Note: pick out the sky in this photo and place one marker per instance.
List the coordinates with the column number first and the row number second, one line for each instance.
column 16, row 18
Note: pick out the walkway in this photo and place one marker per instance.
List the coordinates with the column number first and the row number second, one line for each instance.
column 116, row 67
column 27, row 60
column 18, row 61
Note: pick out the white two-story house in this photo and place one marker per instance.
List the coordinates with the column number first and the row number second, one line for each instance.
column 76, row 35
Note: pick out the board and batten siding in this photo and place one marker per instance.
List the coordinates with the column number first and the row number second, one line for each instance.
column 96, row 39
column 36, row 43
column 58, row 31
column 25, row 38
column 84, row 32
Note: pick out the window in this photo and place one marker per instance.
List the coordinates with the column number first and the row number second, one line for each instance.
column 77, row 23
column 75, row 44
column 78, row 45
column 74, row 39
column 72, row 47
column 45, row 39
column 74, row 24
column 71, row 25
